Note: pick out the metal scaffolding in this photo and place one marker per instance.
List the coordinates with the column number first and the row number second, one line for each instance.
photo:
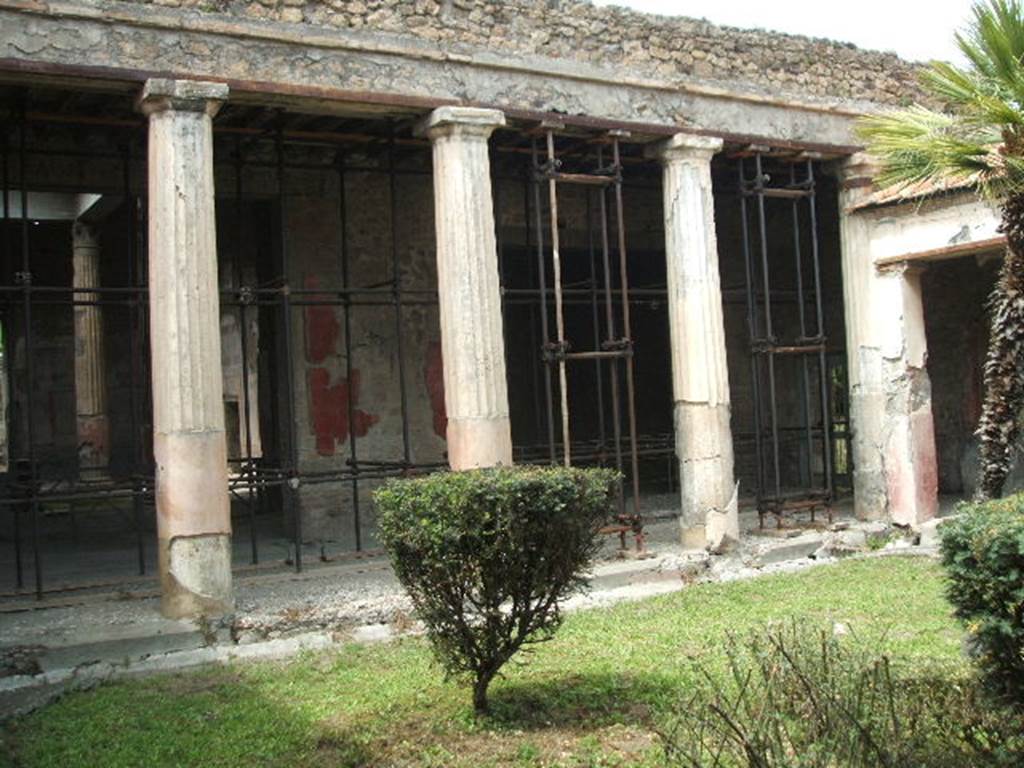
column 790, row 184
column 597, row 167
column 576, row 297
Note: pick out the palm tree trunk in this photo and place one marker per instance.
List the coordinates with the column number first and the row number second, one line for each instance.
column 999, row 426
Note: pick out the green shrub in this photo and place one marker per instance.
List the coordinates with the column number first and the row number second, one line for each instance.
column 487, row 556
column 983, row 554
column 789, row 697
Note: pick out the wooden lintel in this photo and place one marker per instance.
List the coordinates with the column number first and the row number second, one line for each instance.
column 941, row 254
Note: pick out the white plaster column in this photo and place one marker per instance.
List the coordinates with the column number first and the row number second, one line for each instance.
column 193, row 515
column 894, row 457
column 700, row 378
column 472, row 345
column 90, row 360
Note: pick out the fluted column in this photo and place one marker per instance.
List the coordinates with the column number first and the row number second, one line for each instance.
column 895, row 472
column 90, row 361
column 472, row 345
column 700, row 378
column 193, row 517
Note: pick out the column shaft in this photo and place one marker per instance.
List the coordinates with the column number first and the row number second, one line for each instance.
column 473, row 348
column 90, row 360
column 700, row 379
column 193, row 516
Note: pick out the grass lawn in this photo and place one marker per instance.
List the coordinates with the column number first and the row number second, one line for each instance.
column 592, row 697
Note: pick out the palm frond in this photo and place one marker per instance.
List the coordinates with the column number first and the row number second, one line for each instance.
column 922, row 145
column 980, row 138
column 972, row 96
column 994, row 43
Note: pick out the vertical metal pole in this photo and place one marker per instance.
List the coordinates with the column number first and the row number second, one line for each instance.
column 610, row 326
column 534, row 346
column 545, row 332
column 596, row 325
column 620, row 222
column 826, row 411
column 249, row 468
column 559, row 319
column 292, row 473
column 26, row 293
column 138, row 486
column 753, row 328
column 347, row 320
column 396, row 269
column 769, row 330
column 805, row 381
column 7, row 257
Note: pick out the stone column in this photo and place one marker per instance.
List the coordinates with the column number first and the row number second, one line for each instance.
column 193, row 515
column 90, row 360
column 895, row 469
column 700, row 378
column 472, row 345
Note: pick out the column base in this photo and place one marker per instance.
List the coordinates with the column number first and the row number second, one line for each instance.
column 719, row 533
column 475, row 443
column 195, row 576
column 693, row 536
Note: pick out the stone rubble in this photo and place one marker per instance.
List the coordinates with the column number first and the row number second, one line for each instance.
column 672, row 48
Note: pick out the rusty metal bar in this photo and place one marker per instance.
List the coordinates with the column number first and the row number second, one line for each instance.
column 627, row 335
column 559, row 315
column 244, row 343
column 765, row 347
column 290, row 491
column 396, row 277
column 595, row 321
column 343, row 256
column 610, row 330
column 542, row 279
column 826, row 410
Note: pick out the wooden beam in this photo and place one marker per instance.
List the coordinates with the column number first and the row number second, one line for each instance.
column 941, row 254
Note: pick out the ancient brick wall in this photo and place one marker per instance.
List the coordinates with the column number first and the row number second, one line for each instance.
column 655, row 47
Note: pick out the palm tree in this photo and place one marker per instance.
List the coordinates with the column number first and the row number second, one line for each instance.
column 977, row 138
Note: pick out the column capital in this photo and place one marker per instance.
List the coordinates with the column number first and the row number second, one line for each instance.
column 84, row 235
column 685, row 146
column 857, row 170
column 464, row 122
column 162, row 94
column 856, row 175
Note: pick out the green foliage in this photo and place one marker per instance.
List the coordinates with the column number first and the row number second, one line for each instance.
column 610, row 677
column 488, row 555
column 983, row 554
column 979, row 137
column 793, row 698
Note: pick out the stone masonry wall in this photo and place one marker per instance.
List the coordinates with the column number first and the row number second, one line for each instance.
column 656, row 47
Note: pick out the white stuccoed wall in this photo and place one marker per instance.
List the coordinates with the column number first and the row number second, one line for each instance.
column 895, row 470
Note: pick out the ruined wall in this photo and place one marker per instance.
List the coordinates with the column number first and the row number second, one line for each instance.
column 895, row 460
column 658, row 46
column 322, row 389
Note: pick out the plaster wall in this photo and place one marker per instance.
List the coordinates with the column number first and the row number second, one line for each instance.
column 896, row 470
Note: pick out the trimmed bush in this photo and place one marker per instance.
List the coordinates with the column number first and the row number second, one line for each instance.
column 488, row 555
column 983, row 554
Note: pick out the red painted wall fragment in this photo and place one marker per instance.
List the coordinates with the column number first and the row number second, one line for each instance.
column 433, row 373
column 329, row 404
